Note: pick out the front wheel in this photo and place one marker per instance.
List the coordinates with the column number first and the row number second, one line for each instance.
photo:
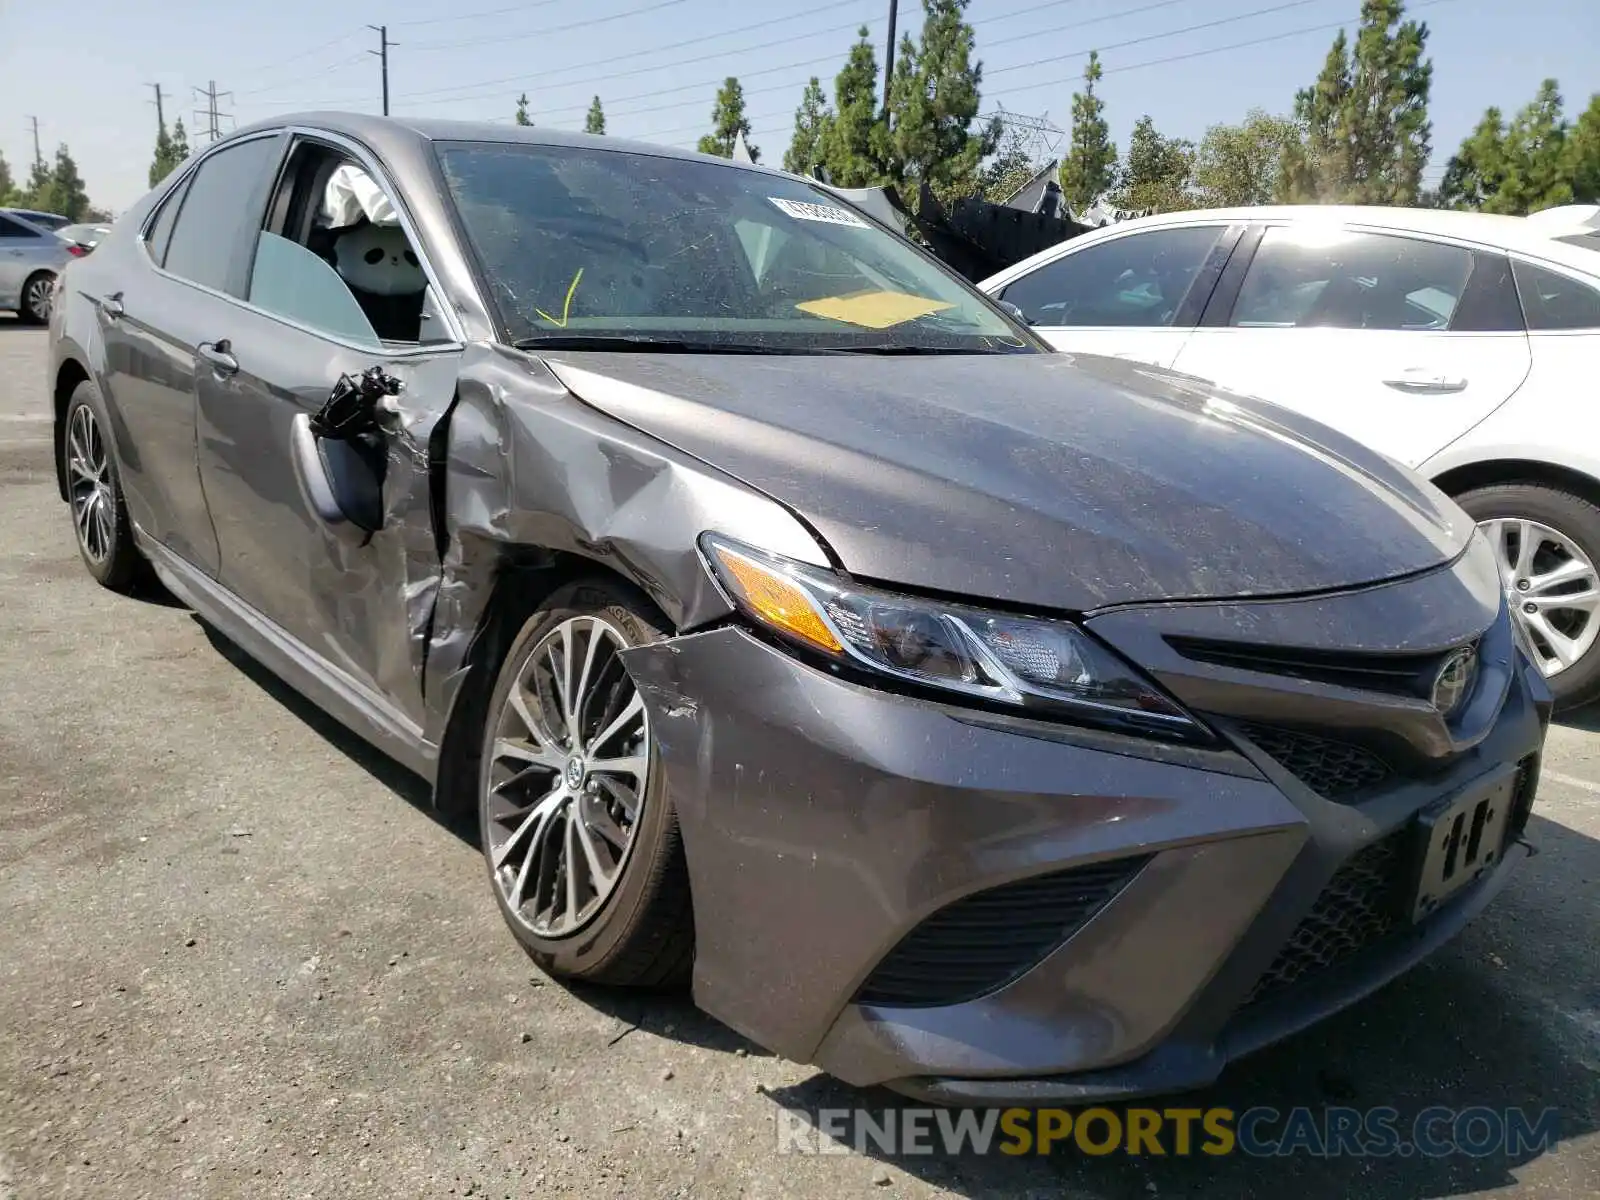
column 578, row 828
column 1547, row 544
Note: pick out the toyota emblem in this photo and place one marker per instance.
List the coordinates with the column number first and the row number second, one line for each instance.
column 1454, row 681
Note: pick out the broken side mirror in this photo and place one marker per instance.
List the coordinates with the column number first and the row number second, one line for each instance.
column 340, row 453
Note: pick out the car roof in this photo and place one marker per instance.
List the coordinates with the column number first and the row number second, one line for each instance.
column 1528, row 235
column 32, row 212
column 382, row 132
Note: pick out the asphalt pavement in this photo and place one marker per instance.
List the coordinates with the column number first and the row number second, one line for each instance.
column 239, row 957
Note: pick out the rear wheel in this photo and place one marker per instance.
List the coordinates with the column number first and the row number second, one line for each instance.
column 37, row 292
column 94, row 493
column 578, row 828
column 1547, row 544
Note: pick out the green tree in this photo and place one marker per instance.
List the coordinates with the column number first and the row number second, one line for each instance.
column 854, row 144
column 58, row 188
column 180, row 142
column 1365, row 120
column 1583, row 154
column 1158, row 171
column 1518, row 168
column 1239, row 164
column 933, row 104
column 1090, row 167
column 522, row 117
column 171, row 150
column 1010, row 168
column 6, row 183
column 728, row 121
column 811, row 121
column 595, row 121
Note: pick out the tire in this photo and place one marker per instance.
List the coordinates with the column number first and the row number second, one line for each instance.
column 33, row 306
column 94, row 493
column 1576, row 522
column 641, row 932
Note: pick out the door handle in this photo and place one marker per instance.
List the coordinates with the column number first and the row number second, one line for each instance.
column 1419, row 381
column 112, row 305
column 220, row 355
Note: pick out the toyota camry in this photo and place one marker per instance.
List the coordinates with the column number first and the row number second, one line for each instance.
column 989, row 722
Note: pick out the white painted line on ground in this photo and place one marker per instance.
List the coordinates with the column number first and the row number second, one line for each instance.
column 1572, row 781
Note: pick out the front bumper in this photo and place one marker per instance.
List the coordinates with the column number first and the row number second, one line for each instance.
column 825, row 821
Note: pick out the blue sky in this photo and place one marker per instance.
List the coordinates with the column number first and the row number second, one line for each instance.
column 656, row 63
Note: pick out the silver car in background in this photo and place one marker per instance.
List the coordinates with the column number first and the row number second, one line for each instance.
column 32, row 257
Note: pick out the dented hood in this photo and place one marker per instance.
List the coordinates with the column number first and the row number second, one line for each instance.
column 1053, row 481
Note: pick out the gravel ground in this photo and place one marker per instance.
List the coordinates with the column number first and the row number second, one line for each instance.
column 240, row 958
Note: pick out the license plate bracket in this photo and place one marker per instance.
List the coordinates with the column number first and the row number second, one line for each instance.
column 1459, row 840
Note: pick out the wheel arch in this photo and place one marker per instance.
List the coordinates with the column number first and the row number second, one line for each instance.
column 70, row 372
column 1492, row 472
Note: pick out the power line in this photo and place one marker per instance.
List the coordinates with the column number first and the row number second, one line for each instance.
column 544, row 76
column 319, row 73
column 299, row 57
column 711, row 83
column 473, row 16
column 1138, row 66
column 533, row 33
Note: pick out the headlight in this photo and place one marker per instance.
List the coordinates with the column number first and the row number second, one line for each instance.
column 1019, row 661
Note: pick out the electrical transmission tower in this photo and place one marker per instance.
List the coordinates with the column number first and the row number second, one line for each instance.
column 1044, row 137
column 211, row 114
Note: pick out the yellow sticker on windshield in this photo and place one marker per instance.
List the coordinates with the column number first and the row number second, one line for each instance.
column 874, row 310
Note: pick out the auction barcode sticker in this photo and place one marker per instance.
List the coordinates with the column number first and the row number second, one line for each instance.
column 827, row 213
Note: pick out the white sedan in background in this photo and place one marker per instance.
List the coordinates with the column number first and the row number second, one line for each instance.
column 1466, row 346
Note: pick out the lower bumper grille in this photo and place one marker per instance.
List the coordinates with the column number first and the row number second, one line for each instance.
column 982, row 942
column 1359, row 907
column 1334, row 770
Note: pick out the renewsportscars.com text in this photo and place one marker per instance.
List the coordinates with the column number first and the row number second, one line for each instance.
column 1435, row 1132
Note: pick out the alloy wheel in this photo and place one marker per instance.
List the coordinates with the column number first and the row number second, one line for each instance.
column 1552, row 587
column 89, row 485
column 568, row 776
column 36, row 300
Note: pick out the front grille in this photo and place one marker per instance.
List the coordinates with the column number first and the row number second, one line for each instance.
column 1334, row 770
column 982, row 942
column 1359, row 906
column 1522, row 793
column 1396, row 674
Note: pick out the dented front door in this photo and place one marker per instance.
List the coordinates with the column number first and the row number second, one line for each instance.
column 342, row 591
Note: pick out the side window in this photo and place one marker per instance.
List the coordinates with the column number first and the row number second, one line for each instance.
column 161, row 229
column 215, row 212
column 1312, row 277
column 1554, row 301
column 1137, row 280
column 335, row 258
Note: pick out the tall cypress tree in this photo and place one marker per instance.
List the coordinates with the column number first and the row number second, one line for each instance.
column 1090, row 167
column 811, row 121
column 595, row 121
column 728, row 121
column 854, row 144
column 933, row 104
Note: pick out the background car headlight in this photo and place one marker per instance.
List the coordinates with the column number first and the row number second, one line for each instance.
column 1032, row 663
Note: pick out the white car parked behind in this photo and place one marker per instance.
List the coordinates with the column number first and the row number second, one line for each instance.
column 1466, row 346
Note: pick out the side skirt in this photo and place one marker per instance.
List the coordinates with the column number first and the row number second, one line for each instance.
column 350, row 702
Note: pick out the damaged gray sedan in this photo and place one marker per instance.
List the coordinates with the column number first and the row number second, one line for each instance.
column 995, row 724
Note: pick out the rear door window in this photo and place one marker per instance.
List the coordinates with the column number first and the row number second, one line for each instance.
column 16, row 229
column 219, row 212
column 1314, row 277
column 1136, row 280
column 1553, row 301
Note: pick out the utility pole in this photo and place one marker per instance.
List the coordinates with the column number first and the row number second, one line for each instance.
column 888, row 56
column 38, row 158
column 383, row 55
column 161, row 113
